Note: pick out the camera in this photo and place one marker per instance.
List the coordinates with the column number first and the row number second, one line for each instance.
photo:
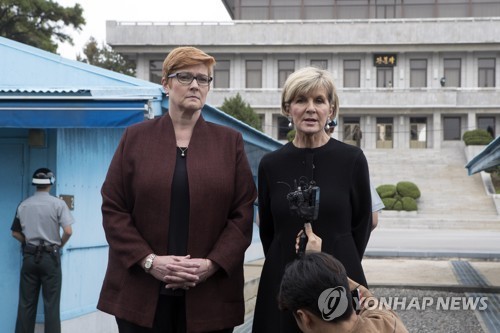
column 304, row 200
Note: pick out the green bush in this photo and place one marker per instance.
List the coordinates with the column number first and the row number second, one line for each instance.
column 290, row 135
column 477, row 137
column 409, row 204
column 388, row 203
column 408, row 189
column 402, row 196
column 386, row 191
column 398, row 205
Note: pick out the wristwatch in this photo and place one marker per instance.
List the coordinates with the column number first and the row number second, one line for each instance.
column 149, row 262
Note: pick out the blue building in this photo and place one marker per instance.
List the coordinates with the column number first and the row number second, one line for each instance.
column 69, row 117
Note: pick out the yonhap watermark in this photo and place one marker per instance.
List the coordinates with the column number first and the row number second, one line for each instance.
column 333, row 302
column 450, row 303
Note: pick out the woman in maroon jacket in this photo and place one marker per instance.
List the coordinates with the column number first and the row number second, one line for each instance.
column 177, row 213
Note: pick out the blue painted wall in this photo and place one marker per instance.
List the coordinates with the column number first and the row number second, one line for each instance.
column 80, row 159
column 83, row 159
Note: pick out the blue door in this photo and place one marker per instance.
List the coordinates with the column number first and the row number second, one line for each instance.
column 13, row 189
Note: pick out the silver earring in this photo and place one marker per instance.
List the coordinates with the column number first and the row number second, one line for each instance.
column 290, row 123
column 327, row 126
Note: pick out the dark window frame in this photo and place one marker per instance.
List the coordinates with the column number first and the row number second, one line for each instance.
column 349, row 70
column 483, row 71
column 284, row 70
column 256, row 70
column 222, row 69
column 452, row 134
column 448, row 68
column 416, row 69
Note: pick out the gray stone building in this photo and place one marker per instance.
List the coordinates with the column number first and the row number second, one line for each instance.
column 410, row 73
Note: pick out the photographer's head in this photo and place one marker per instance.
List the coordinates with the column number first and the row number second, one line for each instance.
column 315, row 288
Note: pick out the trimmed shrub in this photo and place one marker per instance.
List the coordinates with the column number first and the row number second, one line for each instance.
column 477, row 137
column 408, row 189
column 401, row 196
column 409, row 204
column 398, row 205
column 388, row 203
column 386, row 191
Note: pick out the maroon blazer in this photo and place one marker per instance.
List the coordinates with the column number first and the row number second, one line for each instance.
column 136, row 206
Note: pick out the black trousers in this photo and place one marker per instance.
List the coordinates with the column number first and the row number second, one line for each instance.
column 47, row 275
column 170, row 317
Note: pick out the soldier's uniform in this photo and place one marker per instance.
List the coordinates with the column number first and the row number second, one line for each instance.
column 39, row 218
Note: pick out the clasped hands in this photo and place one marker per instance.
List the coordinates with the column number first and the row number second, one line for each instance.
column 182, row 272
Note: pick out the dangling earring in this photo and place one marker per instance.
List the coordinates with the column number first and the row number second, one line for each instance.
column 327, row 126
column 290, row 123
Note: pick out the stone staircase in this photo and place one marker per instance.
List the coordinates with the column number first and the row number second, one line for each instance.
column 448, row 194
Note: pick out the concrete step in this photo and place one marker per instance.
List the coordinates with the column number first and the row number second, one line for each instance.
column 414, row 220
column 252, row 272
column 440, row 175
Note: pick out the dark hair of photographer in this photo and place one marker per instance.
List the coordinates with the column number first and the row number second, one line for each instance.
column 306, row 279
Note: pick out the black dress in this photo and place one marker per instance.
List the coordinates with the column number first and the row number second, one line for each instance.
column 344, row 219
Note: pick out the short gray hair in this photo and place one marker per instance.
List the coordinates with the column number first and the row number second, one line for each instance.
column 305, row 80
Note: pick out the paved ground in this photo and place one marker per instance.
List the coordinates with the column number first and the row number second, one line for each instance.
column 448, row 282
column 436, row 315
column 391, row 242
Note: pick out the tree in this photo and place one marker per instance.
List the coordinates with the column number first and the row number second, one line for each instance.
column 239, row 109
column 39, row 23
column 106, row 57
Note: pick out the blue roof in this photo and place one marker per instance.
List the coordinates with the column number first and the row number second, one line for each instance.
column 488, row 158
column 70, row 93
column 26, row 66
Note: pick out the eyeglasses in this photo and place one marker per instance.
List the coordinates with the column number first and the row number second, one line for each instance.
column 186, row 78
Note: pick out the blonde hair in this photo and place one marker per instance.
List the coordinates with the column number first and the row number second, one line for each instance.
column 306, row 80
column 186, row 56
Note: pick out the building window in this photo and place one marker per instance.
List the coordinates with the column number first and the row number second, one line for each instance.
column 253, row 74
column 321, row 64
column 384, row 77
column 286, row 10
column 352, row 73
column 451, row 128
column 418, row 132
column 155, row 71
column 221, row 74
column 488, row 124
column 283, row 128
column 386, row 9
column 349, row 125
column 252, row 10
column 418, row 73
column 384, row 132
column 486, row 72
column 452, row 68
column 285, row 68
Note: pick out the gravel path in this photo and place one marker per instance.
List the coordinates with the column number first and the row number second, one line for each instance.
column 430, row 319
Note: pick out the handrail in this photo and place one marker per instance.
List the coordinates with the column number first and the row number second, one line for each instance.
column 335, row 21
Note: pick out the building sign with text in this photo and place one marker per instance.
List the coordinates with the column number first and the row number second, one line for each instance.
column 384, row 60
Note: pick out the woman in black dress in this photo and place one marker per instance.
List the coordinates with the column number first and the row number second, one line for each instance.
column 340, row 171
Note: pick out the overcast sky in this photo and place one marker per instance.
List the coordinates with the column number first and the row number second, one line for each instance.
column 97, row 12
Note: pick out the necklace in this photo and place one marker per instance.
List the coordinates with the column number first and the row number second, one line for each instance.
column 183, row 151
